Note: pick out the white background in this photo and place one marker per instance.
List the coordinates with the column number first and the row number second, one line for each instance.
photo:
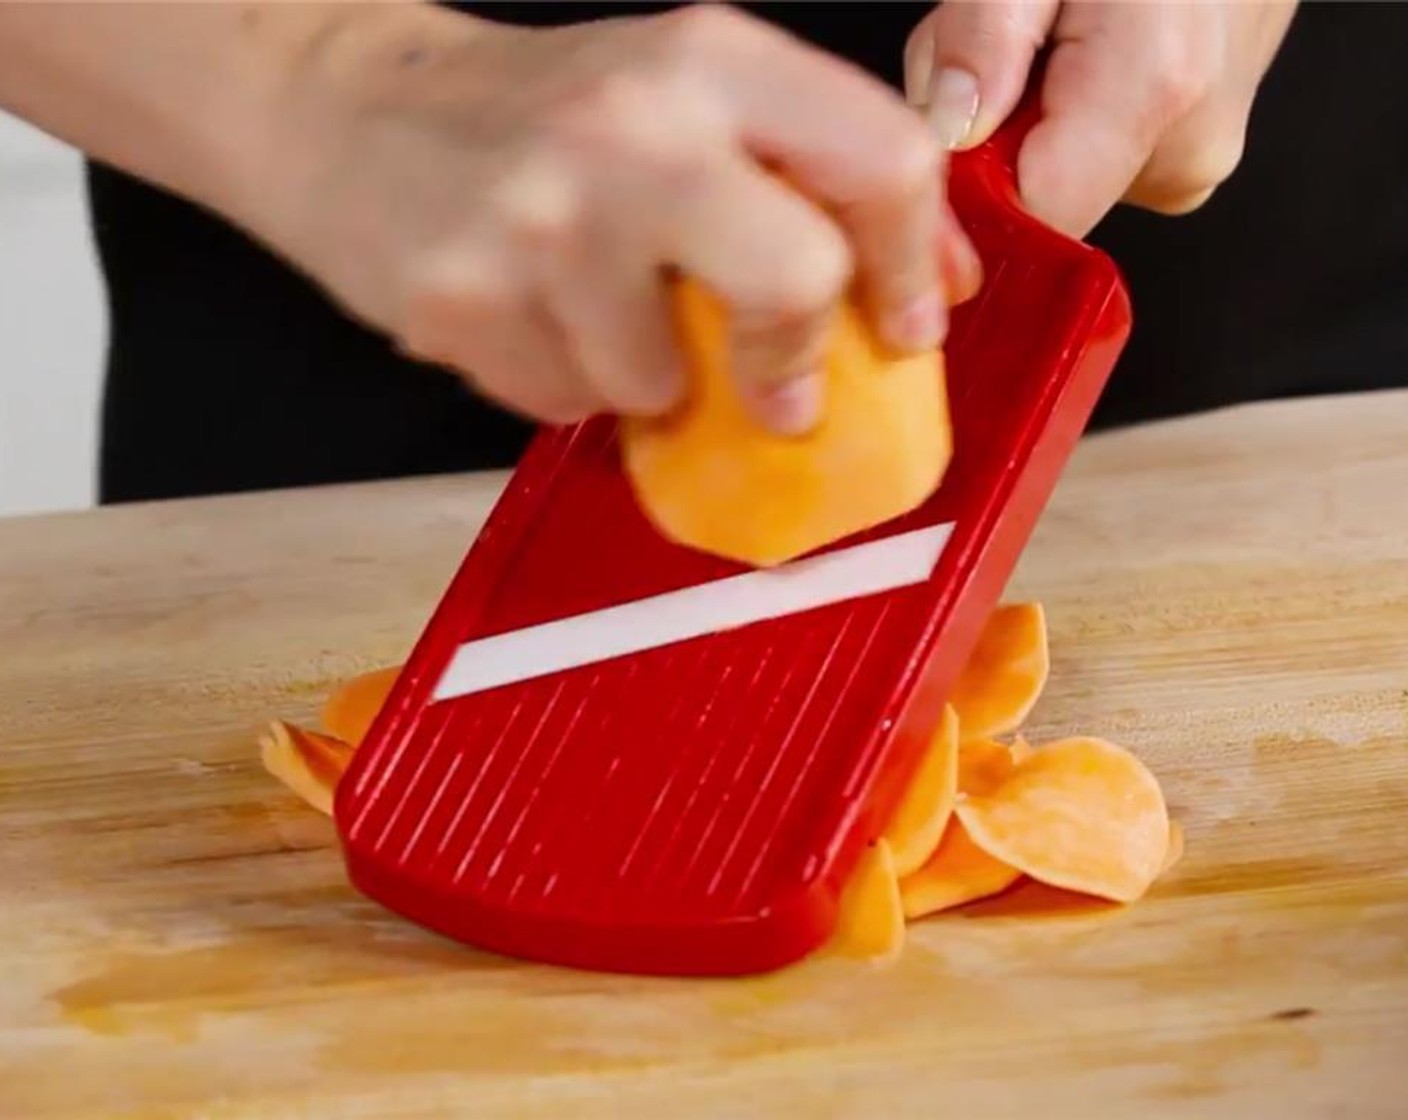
column 53, row 326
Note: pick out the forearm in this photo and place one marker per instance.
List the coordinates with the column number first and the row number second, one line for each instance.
column 188, row 96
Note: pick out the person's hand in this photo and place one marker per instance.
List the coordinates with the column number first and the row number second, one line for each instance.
column 1143, row 103
column 509, row 202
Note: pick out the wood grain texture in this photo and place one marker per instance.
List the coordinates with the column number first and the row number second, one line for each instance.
column 1227, row 594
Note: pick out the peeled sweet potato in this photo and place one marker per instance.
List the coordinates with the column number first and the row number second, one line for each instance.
column 710, row 477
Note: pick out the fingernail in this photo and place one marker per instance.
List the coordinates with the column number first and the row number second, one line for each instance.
column 953, row 105
column 791, row 408
column 920, row 325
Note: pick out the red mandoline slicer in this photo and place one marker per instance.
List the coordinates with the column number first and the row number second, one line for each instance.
column 612, row 752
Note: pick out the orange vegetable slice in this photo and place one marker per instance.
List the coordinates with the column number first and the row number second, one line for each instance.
column 306, row 762
column 958, row 872
column 985, row 764
column 710, row 477
column 1079, row 813
column 918, row 824
column 870, row 918
column 1006, row 672
column 352, row 706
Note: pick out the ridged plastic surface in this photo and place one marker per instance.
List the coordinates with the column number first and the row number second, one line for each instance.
column 696, row 808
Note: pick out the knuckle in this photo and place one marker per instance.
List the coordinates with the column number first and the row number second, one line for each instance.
column 1006, row 27
column 810, row 278
column 1024, row 25
column 538, row 205
column 552, row 396
column 914, row 158
column 1180, row 77
column 1173, row 92
column 445, row 298
column 647, row 393
column 698, row 30
column 641, row 114
column 1221, row 160
column 614, row 103
column 1188, row 185
column 685, row 176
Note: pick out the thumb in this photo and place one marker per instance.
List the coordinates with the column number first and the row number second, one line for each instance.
column 966, row 63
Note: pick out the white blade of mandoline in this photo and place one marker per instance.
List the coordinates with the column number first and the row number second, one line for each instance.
column 691, row 612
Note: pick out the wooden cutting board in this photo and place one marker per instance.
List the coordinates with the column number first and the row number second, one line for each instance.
column 1227, row 594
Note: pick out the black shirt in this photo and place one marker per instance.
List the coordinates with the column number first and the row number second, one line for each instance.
column 227, row 371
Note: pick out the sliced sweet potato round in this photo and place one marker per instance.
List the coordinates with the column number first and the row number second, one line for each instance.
column 985, row 764
column 351, row 707
column 1080, row 813
column 710, row 477
column 1005, row 674
column 870, row 918
column 959, row 871
column 306, row 762
column 915, row 829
